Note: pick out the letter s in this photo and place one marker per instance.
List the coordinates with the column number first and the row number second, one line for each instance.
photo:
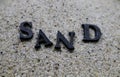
column 25, row 31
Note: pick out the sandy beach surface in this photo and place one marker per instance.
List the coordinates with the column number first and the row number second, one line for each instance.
column 20, row 59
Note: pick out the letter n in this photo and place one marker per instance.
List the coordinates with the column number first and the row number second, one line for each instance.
column 61, row 38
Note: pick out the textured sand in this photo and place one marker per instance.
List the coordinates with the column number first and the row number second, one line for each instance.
column 19, row 59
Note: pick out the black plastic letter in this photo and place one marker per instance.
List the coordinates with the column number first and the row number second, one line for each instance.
column 42, row 39
column 25, row 31
column 61, row 38
column 87, row 37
